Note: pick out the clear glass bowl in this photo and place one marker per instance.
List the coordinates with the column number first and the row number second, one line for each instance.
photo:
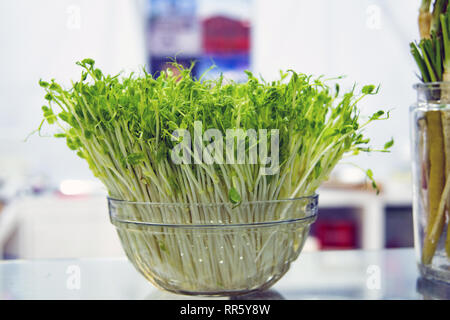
column 430, row 150
column 213, row 249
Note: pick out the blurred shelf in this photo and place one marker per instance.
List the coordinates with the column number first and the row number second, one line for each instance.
column 371, row 207
column 52, row 226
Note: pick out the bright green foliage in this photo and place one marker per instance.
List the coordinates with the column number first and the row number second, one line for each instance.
column 123, row 128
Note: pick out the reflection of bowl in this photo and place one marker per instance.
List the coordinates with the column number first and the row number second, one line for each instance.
column 433, row 290
column 260, row 295
column 213, row 249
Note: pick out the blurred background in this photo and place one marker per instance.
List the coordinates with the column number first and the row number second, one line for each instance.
column 50, row 204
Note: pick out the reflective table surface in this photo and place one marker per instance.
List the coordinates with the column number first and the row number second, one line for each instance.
column 387, row 274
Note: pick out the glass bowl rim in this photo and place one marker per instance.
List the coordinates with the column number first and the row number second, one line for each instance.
column 314, row 196
column 431, row 85
column 309, row 218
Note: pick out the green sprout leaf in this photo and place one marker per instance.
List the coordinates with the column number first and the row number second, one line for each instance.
column 234, row 196
column 377, row 115
column 60, row 135
column 88, row 61
column 369, row 175
column 389, row 144
column 43, row 84
column 369, row 89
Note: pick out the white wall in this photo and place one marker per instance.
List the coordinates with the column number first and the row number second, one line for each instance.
column 43, row 39
column 40, row 39
column 366, row 40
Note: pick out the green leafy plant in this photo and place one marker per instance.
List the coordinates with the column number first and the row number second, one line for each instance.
column 124, row 128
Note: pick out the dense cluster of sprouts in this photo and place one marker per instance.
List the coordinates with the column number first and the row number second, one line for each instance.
column 124, row 128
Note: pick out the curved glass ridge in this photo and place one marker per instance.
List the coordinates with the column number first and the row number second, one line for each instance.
column 305, row 208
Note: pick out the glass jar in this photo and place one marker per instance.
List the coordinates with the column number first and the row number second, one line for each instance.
column 213, row 248
column 430, row 133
